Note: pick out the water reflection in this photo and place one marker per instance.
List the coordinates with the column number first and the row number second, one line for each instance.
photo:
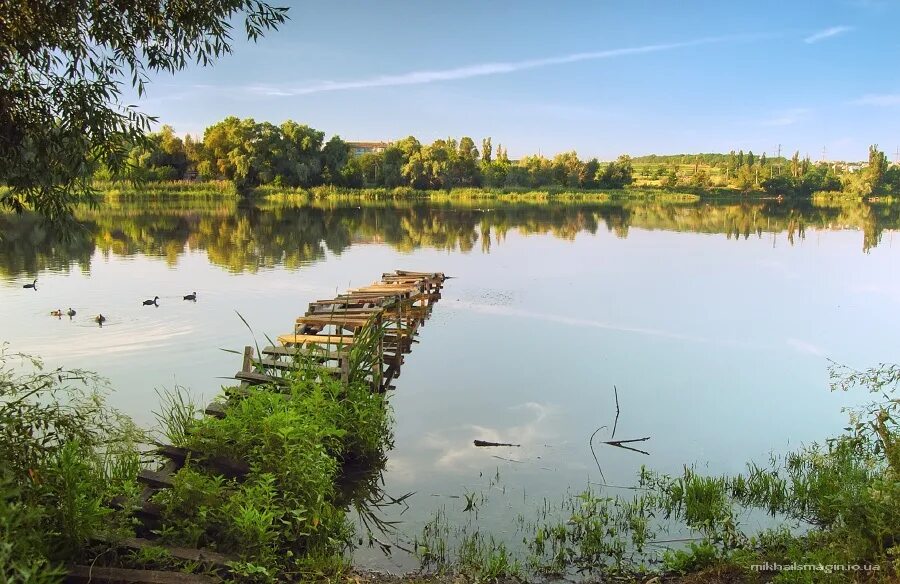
column 247, row 238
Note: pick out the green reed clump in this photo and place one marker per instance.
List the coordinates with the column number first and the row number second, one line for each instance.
column 166, row 188
column 63, row 455
column 287, row 518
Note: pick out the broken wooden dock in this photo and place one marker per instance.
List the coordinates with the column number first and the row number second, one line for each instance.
column 360, row 335
column 373, row 325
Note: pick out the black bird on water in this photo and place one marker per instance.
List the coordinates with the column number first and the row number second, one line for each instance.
column 33, row 285
column 100, row 319
column 191, row 296
column 153, row 302
column 70, row 312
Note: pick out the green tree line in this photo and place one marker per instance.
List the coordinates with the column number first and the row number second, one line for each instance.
column 251, row 154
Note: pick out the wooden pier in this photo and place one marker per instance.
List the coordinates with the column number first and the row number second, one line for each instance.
column 375, row 325
column 361, row 335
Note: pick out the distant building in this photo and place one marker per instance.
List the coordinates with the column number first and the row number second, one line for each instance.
column 360, row 148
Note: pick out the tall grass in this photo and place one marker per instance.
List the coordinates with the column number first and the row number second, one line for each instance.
column 287, row 519
column 63, row 455
column 175, row 188
column 832, row 504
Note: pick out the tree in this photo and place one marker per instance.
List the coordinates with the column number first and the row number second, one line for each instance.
column 779, row 185
column 335, row 154
column 795, row 164
column 464, row 169
column 302, row 162
column 876, row 169
column 486, row 150
column 567, row 169
column 588, row 178
column 744, row 179
column 618, row 174
column 62, row 67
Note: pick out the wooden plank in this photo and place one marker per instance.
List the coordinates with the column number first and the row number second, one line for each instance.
column 362, row 311
column 155, row 479
column 167, row 470
column 86, row 574
column 427, row 274
column 204, row 556
column 400, row 289
column 248, row 359
column 225, row 466
column 148, row 510
column 334, row 319
column 275, row 364
column 258, row 378
column 294, row 339
column 305, row 351
column 215, row 410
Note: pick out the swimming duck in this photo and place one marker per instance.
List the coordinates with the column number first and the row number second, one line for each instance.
column 152, row 302
column 191, row 296
column 100, row 319
column 57, row 313
column 70, row 312
column 32, row 285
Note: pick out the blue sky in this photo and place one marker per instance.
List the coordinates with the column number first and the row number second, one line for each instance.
column 601, row 78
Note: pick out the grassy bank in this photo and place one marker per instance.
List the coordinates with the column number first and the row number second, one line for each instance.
column 645, row 192
column 167, row 189
column 316, row 447
column 310, row 449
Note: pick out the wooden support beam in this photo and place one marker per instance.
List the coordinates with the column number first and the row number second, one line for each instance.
column 312, row 351
column 295, row 339
column 155, row 479
column 215, row 410
column 222, row 465
column 259, row 378
column 203, row 556
column 105, row 575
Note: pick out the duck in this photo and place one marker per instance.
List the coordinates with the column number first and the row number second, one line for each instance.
column 100, row 319
column 57, row 313
column 191, row 296
column 70, row 312
column 33, row 285
column 154, row 302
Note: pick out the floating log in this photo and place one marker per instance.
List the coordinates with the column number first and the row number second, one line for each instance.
column 484, row 443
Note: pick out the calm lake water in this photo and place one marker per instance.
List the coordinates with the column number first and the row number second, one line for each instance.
column 715, row 322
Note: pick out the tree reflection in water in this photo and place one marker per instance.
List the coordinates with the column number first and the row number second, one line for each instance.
column 245, row 238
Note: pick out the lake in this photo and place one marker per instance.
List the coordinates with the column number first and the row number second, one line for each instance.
column 714, row 322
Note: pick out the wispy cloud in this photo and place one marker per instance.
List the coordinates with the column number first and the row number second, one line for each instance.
column 805, row 347
column 879, row 99
column 787, row 117
column 827, row 34
column 477, row 70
